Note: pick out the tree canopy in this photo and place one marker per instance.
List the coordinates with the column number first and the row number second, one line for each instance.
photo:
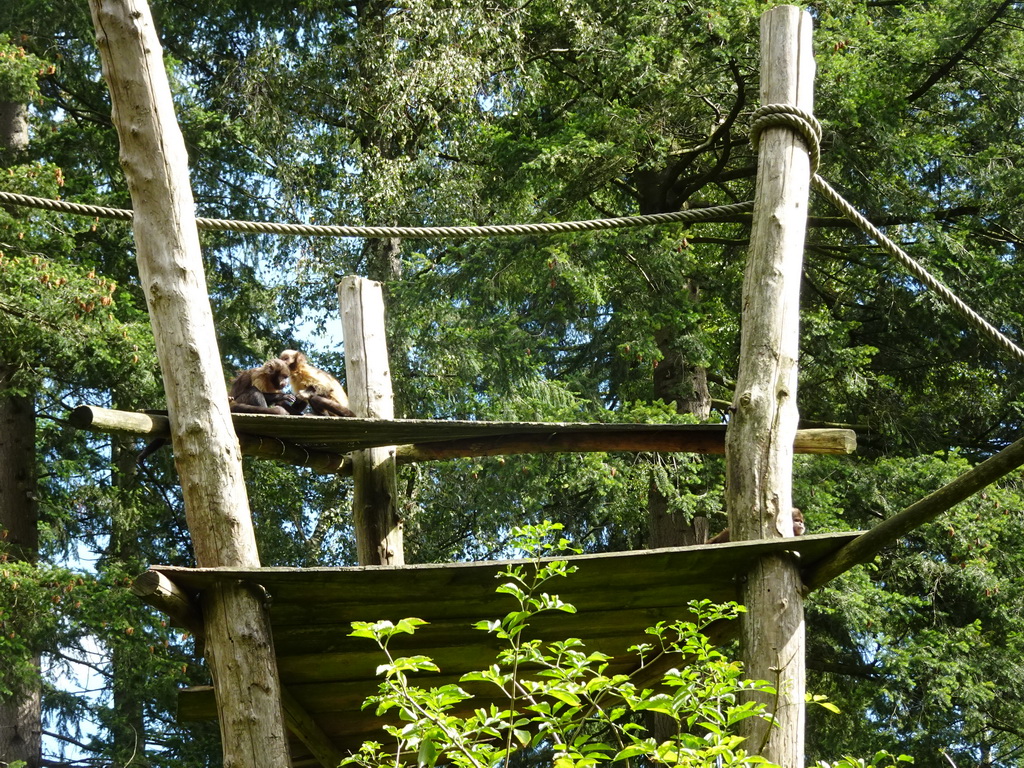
column 426, row 112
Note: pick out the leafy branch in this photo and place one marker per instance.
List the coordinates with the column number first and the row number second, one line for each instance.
column 559, row 696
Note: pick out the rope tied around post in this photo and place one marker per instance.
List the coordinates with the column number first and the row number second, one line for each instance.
column 798, row 120
column 809, row 129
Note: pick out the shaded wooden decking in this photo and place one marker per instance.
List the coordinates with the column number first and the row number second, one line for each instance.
column 326, row 674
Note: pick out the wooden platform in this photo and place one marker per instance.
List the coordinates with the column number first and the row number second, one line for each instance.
column 322, row 443
column 327, row 674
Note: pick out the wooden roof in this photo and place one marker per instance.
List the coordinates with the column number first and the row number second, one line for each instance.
column 327, row 674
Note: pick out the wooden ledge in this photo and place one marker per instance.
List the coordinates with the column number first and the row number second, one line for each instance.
column 321, row 442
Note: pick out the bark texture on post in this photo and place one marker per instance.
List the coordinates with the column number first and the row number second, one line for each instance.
column 206, row 451
column 368, row 375
column 759, row 441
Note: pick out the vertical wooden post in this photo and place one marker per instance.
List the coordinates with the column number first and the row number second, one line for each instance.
column 206, row 452
column 759, row 440
column 368, row 375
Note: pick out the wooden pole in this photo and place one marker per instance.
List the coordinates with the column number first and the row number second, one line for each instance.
column 759, row 440
column 368, row 373
column 867, row 546
column 239, row 648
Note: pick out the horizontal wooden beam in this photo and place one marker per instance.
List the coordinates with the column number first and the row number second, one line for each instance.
column 154, row 425
column 320, row 442
column 817, row 441
column 869, row 544
column 155, row 589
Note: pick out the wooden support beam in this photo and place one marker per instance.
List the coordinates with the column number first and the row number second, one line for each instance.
column 818, row 441
column 869, row 544
column 368, row 374
column 238, row 645
column 759, row 441
column 155, row 589
column 302, row 724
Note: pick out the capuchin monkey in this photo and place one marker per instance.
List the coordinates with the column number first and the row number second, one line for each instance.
column 256, row 390
column 323, row 392
column 261, row 390
column 799, row 528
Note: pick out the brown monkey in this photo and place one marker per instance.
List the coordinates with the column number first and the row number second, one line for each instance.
column 799, row 528
column 257, row 390
column 260, row 390
column 321, row 390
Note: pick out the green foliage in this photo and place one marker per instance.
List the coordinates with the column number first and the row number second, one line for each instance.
column 19, row 72
column 56, row 610
column 559, row 696
column 74, row 317
column 880, row 759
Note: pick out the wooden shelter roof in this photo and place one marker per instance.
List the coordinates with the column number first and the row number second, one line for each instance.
column 326, row 674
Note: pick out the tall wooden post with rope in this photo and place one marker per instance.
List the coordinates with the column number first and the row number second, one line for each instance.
column 759, row 441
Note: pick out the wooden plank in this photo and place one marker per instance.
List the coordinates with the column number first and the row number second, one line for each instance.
column 385, row 584
column 304, row 639
column 431, row 440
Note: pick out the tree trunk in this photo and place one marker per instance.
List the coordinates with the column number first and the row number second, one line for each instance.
column 21, row 713
column 13, row 130
column 128, row 728
column 677, row 381
column 383, row 258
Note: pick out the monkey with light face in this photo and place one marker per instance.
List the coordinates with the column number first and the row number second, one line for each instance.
column 799, row 528
column 261, row 390
column 323, row 392
column 256, row 390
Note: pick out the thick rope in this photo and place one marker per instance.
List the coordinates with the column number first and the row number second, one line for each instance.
column 794, row 118
column 916, row 269
column 804, row 123
column 716, row 213
column 770, row 115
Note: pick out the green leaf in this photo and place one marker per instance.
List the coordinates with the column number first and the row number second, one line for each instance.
column 427, row 755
